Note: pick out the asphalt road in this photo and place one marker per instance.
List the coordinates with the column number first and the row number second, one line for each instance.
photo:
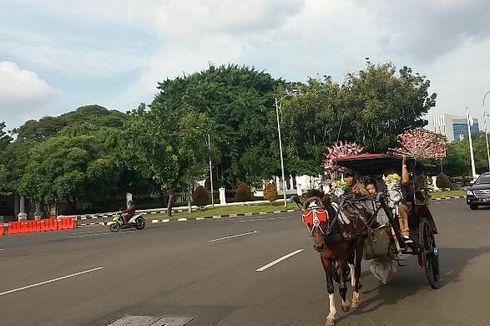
column 207, row 271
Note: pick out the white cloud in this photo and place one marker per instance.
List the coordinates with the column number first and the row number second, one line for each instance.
column 22, row 93
column 447, row 40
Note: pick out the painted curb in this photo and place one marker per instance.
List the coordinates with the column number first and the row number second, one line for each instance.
column 214, row 217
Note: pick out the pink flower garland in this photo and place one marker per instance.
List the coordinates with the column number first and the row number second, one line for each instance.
column 421, row 144
column 337, row 150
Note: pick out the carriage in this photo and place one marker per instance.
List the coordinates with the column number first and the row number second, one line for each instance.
column 385, row 238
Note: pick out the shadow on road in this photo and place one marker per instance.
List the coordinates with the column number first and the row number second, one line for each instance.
column 411, row 279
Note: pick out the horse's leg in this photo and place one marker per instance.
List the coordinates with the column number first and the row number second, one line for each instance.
column 343, row 287
column 352, row 267
column 328, row 267
column 357, row 275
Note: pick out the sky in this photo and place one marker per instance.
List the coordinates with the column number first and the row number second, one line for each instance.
column 58, row 55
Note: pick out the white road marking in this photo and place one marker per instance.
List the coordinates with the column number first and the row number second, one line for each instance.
column 234, row 236
column 263, row 268
column 51, row 281
column 97, row 234
column 88, row 235
column 150, row 320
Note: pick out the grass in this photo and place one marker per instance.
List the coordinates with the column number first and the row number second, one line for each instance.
column 227, row 210
column 448, row 193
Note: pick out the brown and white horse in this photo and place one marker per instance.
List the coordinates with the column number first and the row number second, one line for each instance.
column 338, row 236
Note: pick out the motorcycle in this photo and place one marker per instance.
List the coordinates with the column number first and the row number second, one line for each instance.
column 137, row 221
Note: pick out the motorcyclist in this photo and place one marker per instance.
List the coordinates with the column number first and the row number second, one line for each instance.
column 128, row 213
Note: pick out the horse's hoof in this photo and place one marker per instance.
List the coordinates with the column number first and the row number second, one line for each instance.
column 354, row 305
column 330, row 322
column 346, row 307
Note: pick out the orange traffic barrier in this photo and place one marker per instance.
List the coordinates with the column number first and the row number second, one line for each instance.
column 52, row 224
column 23, row 227
column 13, row 228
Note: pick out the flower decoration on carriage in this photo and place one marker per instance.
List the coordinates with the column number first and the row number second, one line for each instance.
column 339, row 188
column 337, row 150
column 392, row 182
column 421, row 144
column 393, row 188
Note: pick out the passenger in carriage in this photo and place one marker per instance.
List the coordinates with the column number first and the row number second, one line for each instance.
column 354, row 185
column 403, row 209
column 371, row 187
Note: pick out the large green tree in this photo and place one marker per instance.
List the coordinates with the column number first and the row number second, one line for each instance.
column 371, row 107
column 381, row 103
column 90, row 115
column 240, row 101
column 168, row 146
column 70, row 168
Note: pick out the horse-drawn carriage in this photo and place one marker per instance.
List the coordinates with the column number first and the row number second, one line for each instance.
column 347, row 227
column 421, row 222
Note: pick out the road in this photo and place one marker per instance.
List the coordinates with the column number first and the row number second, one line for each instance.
column 207, row 271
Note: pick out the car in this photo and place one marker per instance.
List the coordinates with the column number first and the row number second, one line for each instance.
column 478, row 193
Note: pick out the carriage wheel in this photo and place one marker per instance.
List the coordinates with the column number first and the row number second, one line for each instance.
column 429, row 253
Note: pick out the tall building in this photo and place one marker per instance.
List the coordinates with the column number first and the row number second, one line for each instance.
column 453, row 127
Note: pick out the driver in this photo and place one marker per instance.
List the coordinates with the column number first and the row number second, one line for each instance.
column 128, row 213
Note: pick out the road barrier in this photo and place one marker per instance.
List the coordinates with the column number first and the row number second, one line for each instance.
column 45, row 225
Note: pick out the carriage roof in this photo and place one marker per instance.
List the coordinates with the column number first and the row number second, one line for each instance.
column 374, row 164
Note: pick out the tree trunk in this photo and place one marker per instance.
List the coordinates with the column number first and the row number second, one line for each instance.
column 170, row 202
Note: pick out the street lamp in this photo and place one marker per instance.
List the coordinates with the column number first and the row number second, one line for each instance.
column 210, row 171
column 485, row 115
column 277, row 104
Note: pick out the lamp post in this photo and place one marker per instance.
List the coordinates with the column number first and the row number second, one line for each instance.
column 469, row 122
column 211, row 171
column 485, row 114
column 280, row 152
column 277, row 105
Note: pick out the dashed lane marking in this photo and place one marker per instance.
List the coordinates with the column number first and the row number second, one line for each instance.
column 277, row 261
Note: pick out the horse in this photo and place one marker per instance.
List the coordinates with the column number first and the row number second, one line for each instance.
column 338, row 233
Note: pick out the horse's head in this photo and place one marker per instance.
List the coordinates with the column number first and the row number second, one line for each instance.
column 315, row 216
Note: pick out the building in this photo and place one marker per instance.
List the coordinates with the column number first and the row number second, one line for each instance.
column 453, row 127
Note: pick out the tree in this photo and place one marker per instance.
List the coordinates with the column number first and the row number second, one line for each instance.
column 200, row 197
column 90, row 115
column 270, row 192
column 5, row 139
column 167, row 146
column 70, row 168
column 458, row 162
column 67, row 157
column 240, row 101
column 381, row 104
column 372, row 107
column 443, row 181
column 243, row 192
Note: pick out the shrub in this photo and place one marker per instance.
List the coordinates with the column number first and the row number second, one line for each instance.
column 443, row 181
column 243, row 192
column 200, row 197
column 270, row 192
